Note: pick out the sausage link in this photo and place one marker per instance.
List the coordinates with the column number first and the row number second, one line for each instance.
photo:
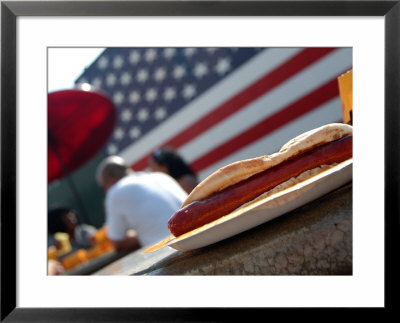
column 199, row 213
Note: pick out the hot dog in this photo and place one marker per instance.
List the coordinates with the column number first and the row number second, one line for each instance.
column 242, row 182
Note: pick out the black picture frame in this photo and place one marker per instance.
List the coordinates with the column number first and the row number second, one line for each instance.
column 10, row 10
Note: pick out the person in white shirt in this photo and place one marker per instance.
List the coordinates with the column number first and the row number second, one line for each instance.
column 137, row 204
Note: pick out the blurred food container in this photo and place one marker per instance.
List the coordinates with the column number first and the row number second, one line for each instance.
column 345, row 82
column 63, row 244
column 98, row 250
column 52, row 253
column 102, row 244
column 93, row 252
column 101, row 235
column 102, row 240
column 107, row 246
column 74, row 259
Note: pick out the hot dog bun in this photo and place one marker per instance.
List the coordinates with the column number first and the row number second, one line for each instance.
column 241, row 170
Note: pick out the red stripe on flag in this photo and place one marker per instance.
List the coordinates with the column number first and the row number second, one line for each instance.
column 268, row 125
column 240, row 100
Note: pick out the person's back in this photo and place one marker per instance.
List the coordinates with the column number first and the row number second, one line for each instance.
column 143, row 202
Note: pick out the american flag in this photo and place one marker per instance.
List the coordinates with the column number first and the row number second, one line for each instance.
column 216, row 105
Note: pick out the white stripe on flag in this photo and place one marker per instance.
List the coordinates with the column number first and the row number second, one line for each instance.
column 326, row 113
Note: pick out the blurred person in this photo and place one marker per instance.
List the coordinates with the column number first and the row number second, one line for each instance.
column 138, row 205
column 168, row 161
column 64, row 220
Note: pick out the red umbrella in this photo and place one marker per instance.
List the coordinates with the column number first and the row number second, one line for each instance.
column 79, row 123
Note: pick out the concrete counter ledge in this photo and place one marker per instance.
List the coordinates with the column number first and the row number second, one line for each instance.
column 315, row 239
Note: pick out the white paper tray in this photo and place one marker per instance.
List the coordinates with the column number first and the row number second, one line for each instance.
column 264, row 210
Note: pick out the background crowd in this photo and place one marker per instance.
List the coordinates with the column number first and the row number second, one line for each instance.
column 137, row 208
